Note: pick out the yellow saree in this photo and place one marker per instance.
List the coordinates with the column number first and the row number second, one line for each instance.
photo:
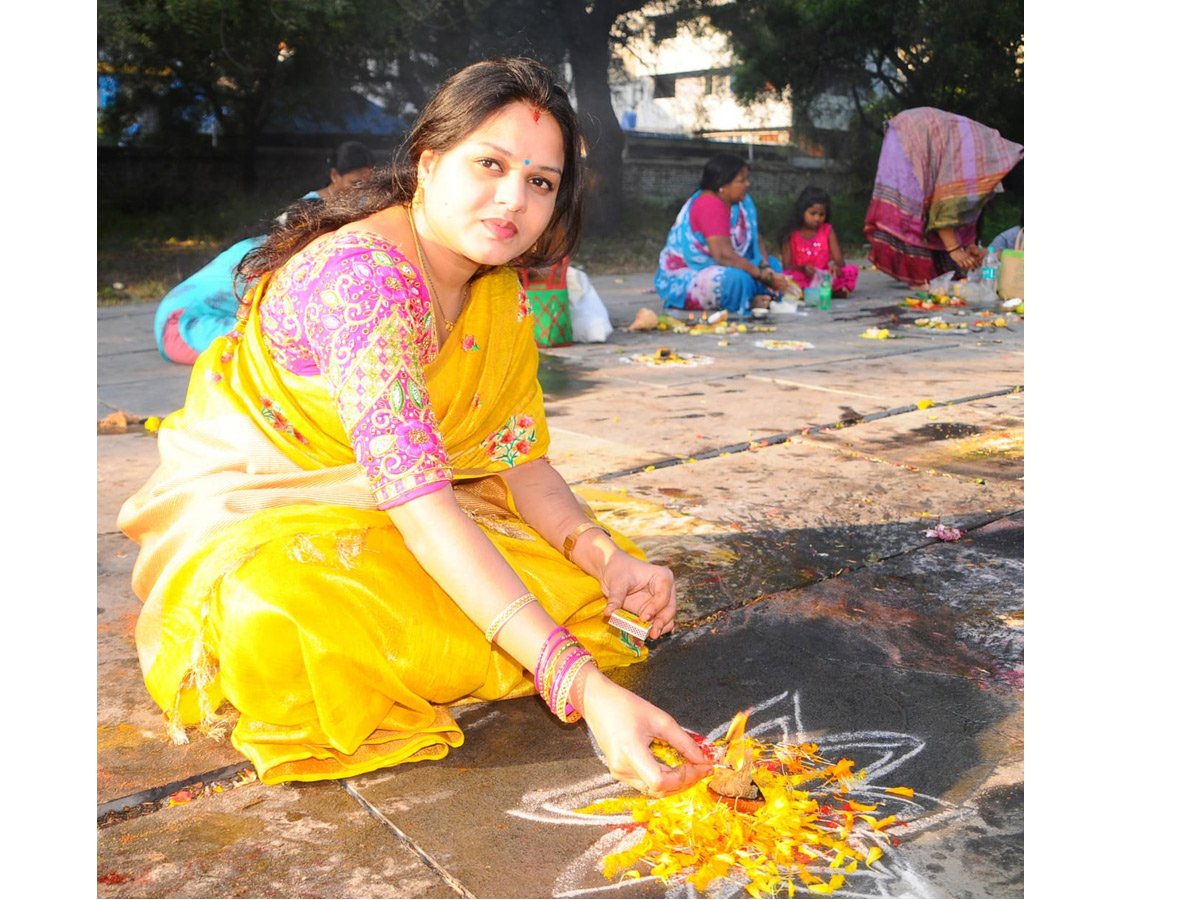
column 270, row 580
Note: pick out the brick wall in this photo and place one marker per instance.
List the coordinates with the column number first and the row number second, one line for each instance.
column 678, row 179
column 145, row 180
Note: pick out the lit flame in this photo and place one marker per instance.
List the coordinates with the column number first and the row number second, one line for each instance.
column 737, row 751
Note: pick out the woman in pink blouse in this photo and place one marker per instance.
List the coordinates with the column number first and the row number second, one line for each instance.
column 355, row 524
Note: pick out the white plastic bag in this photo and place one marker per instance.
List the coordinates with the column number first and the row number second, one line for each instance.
column 589, row 317
column 940, row 286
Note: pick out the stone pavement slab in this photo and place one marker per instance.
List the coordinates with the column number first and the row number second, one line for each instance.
column 633, row 412
column 292, row 840
column 705, row 416
column 980, row 439
column 131, row 375
column 125, row 462
column 803, row 484
column 939, row 373
column 796, row 513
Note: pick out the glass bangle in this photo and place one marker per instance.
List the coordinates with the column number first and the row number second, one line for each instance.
column 567, row 661
column 554, row 665
column 562, row 632
column 563, row 708
column 507, row 613
column 571, row 679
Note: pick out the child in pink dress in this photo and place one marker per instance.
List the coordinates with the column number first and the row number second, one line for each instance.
column 811, row 247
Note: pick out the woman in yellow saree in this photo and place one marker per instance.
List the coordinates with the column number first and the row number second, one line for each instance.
column 354, row 523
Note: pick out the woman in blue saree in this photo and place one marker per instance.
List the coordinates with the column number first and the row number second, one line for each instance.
column 204, row 306
column 714, row 257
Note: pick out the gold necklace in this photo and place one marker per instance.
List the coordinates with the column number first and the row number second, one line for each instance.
column 423, row 263
column 425, row 272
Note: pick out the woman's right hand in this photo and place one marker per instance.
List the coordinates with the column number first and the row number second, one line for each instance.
column 964, row 259
column 624, row 724
column 778, row 282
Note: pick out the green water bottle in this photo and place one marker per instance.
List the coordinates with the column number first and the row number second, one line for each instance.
column 826, row 301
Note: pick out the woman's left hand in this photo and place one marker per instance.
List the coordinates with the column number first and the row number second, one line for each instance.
column 642, row 588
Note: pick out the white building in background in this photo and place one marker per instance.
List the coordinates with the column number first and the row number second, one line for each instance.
column 679, row 82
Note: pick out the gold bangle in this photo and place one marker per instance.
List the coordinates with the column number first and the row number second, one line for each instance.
column 507, row 613
column 577, row 711
column 564, row 694
column 571, row 539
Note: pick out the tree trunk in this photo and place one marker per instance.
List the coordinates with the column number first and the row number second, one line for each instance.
column 587, row 40
column 254, row 118
column 247, row 153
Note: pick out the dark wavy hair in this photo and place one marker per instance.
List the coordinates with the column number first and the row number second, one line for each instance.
column 464, row 102
column 720, row 170
column 810, row 196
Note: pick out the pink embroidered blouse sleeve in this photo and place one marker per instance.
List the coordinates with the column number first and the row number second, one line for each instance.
column 359, row 318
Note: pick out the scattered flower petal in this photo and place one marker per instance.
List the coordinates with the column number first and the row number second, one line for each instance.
column 944, row 533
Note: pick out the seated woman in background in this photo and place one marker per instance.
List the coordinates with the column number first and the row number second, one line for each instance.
column 350, row 166
column 811, row 246
column 204, row 305
column 714, row 257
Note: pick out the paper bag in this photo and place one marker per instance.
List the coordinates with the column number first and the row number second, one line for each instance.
column 1012, row 270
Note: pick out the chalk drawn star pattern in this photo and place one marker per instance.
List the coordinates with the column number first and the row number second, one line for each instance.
column 775, row 720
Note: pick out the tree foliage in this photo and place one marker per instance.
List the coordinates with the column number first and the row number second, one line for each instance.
column 238, row 62
column 235, row 63
column 886, row 55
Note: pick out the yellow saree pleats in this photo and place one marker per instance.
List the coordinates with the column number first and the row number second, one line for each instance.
column 271, row 580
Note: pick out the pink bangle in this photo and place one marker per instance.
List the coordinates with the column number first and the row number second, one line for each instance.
column 555, row 665
column 546, row 648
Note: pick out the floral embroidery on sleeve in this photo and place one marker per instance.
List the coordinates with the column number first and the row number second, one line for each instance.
column 522, row 304
column 358, row 319
column 513, row 439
